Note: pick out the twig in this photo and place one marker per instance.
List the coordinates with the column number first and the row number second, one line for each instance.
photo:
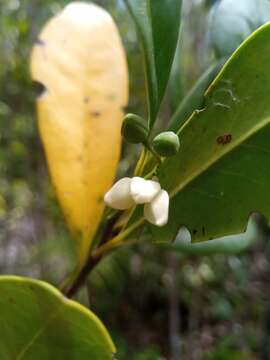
column 117, row 240
column 105, row 248
column 92, row 261
column 80, row 280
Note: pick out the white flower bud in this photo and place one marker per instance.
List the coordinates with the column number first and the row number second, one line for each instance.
column 157, row 211
column 143, row 191
column 119, row 197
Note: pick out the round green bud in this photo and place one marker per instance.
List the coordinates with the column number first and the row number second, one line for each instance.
column 135, row 129
column 166, row 144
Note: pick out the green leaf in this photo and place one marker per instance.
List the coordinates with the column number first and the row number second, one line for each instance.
column 193, row 101
column 229, row 245
column 221, row 173
column 195, row 98
column 231, row 21
column 157, row 23
column 38, row 322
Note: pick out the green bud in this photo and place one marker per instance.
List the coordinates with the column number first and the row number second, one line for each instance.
column 166, row 144
column 135, row 129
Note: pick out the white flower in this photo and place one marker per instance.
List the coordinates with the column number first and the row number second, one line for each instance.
column 157, row 211
column 119, row 197
column 143, row 191
column 128, row 192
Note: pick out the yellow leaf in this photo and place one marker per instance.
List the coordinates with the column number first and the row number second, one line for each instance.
column 79, row 58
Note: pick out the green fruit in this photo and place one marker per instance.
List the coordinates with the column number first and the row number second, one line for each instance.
column 135, row 129
column 166, row 144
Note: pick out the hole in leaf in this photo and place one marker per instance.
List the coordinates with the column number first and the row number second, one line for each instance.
column 40, row 42
column 183, row 236
column 39, row 90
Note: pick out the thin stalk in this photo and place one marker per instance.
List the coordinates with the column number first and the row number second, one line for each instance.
column 116, row 241
column 153, row 152
column 141, row 163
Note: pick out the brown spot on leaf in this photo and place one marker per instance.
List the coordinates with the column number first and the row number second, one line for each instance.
column 224, row 139
column 95, row 113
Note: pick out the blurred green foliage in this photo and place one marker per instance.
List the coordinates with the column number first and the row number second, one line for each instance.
column 219, row 302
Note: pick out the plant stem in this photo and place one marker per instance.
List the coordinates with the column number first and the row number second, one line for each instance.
column 116, row 241
column 80, row 280
column 106, row 245
column 97, row 255
column 153, row 152
column 141, row 162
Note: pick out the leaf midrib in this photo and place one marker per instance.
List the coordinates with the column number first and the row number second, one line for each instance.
column 207, row 166
column 37, row 335
column 194, row 175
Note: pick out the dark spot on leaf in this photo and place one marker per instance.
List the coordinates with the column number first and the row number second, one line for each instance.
column 195, row 232
column 11, row 300
column 95, row 113
column 40, row 42
column 224, row 139
column 203, row 230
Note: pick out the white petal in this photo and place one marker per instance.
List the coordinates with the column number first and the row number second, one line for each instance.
column 157, row 211
column 118, row 197
column 143, row 191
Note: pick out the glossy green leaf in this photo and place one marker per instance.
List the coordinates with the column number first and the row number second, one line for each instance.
column 230, row 245
column 221, row 174
column 157, row 23
column 195, row 98
column 193, row 101
column 38, row 322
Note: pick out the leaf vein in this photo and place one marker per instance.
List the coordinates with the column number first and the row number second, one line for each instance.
column 215, row 159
